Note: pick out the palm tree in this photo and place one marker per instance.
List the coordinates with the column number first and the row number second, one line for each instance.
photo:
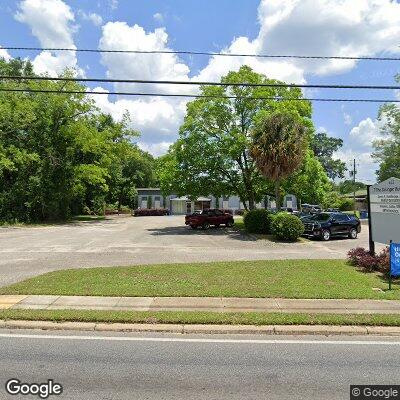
column 279, row 145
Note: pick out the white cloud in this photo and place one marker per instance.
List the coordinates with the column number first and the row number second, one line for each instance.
column 328, row 27
column 156, row 119
column 94, row 18
column 51, row 22
column 219, row 66
column 365, row 165
column 359, row 145
column 144, row 66
column 158, row 17
column 313, row 27
column 4, row 54
column 304, row 27
column 366, row 132
column 156, row 149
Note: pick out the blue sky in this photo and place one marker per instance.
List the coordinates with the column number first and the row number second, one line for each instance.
column 310, row 27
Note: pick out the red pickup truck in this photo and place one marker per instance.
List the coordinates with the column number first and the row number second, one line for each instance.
column 206, row 218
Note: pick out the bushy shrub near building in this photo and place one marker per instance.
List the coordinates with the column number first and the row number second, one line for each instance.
column 287, row 227
column 257, row 221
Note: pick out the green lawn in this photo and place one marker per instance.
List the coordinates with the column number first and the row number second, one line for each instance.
column 280, row 278
column 239, row 224
column 172, row 317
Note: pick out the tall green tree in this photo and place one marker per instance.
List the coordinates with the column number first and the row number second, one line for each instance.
column 279, row 146
column 387, row 150
column 58, row 153
column 348, row 186
column 212, row 154
column 309, row 183
column 324, row 147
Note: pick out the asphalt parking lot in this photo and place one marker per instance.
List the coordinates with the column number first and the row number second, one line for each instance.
column 126, row 240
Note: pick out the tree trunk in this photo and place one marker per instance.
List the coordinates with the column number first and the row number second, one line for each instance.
column 251, row 203
column 277, row 195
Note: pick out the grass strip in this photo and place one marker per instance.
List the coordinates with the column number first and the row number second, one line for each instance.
column 191, row 317
column 298, row 279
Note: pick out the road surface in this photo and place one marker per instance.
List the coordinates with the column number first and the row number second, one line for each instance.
column 25, row 252
column 128, row 366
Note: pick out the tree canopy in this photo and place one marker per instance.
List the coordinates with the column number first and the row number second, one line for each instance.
column 59, row 154
column 348, row 186
column 278, row 147
column 212, row 153
column 324, row 147
column 387, row 150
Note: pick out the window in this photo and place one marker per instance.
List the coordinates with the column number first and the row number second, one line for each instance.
column 321, row 217
column 340, row 217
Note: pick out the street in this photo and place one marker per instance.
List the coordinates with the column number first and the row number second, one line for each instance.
column 132, row 366
column 118, row 241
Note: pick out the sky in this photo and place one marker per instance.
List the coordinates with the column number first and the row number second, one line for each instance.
column 299, row 27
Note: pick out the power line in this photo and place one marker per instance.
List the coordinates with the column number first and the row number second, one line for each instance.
column 199, row 83
column 203, row 53
column 195, row 96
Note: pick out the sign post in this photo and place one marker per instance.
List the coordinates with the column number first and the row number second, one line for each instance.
column 384, row 207
column 394, row 262
column 371, row 242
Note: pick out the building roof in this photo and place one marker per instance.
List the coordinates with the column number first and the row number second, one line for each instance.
column 157, row 189
column 359, row 193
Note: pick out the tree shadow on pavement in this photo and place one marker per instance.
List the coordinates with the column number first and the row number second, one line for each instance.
column 213, row 231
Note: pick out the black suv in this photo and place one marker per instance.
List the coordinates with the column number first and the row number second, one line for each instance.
column 328, row 224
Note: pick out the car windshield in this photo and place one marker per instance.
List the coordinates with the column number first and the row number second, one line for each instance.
column 321, row 217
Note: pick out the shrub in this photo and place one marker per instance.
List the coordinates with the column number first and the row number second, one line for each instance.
column 361, row 258
column 146, row 212
column 257, row 221
column 346, row 204
column 287, row 227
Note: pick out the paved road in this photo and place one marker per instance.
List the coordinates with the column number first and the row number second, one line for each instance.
column 25, row 252
column 189, row 367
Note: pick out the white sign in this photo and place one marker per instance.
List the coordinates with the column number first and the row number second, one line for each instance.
column 385, row 211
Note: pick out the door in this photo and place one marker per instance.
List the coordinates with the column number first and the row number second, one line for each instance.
column 219, row 217
column 339, row 224
column 143, row 204
column 343, row 223
column 212, row 217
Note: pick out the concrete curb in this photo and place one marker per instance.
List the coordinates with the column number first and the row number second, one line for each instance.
column 205, row 329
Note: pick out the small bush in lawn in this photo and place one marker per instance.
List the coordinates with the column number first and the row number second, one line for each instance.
column 257, row 221
column 287, row 227
column 360, row 257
